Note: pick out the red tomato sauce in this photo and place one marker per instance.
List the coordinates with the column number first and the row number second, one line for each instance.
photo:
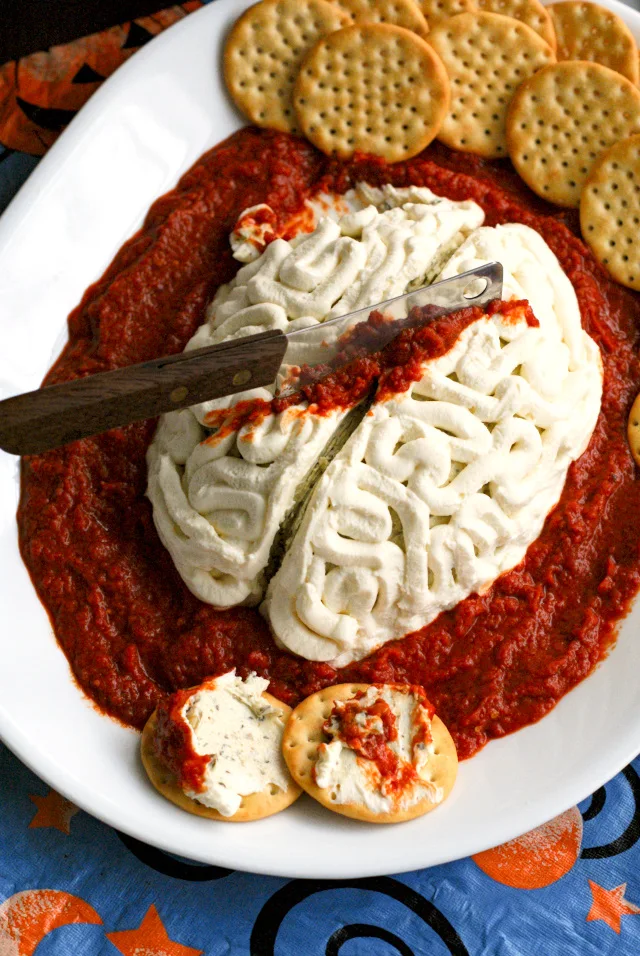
column 132, row 631
column 370, row 737
column 365, row 741
column 173, row 743
column 393, row 369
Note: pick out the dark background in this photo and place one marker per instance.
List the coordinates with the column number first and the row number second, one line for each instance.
column 30, row 25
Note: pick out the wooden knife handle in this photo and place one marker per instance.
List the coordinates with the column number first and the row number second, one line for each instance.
column 52, row 416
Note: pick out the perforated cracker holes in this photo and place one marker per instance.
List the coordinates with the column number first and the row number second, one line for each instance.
column 610, row 214
column 562, row 119
column 264, row 51
column 376, row 88
column 486, row 56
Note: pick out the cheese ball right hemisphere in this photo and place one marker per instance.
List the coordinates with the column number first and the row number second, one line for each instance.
column 562, row 119
column 373, row 752
column 486, row 56
column 610, row 211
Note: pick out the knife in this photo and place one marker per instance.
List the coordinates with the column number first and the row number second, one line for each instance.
column 57, row 414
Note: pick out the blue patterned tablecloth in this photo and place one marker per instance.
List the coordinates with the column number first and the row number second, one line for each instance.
column 71, row 886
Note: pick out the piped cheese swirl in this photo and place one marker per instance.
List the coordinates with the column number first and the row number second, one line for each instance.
column 218, row 501
column 443, row 487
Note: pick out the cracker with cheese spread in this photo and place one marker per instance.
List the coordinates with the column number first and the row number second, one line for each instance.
column 215, row 750
column 373, row 752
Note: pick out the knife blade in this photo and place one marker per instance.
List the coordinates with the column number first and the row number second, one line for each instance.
column 58, row 414
column 332, row 344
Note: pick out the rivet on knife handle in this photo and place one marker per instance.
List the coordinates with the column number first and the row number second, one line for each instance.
column 52, row 416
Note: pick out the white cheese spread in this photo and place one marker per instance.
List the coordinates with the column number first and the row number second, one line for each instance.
column 442, row 488
column 218, row 501
column 231, row 722
column 352, row 778
column 254, row 229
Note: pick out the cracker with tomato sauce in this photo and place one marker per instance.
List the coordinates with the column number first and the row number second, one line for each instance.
column 400, row 761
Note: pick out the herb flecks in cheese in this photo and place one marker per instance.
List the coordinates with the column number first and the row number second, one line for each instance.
column 231, row 722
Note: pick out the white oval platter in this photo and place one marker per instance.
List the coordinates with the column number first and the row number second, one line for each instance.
column 130, row 144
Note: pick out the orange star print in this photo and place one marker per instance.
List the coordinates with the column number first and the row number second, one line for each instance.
column 610, row 905
column 149, row 939
column 53, row 811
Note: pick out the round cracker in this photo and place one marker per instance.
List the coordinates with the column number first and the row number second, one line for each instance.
column 530, row 12
column 264, row 51
column 486, row 56
column 587, row 31
column 436, row 11
column 255, row 806
column 562, row 119
column 373, row 87
column 403, row 13
column 610, row 212
column 303, row 736
column 633, row 430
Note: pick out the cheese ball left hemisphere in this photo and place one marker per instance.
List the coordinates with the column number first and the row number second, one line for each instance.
column 216, row 750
